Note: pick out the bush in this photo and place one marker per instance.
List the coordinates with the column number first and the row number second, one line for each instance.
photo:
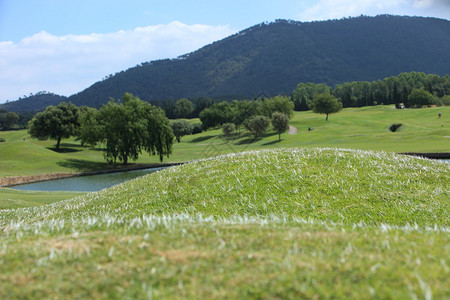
column 2, row 140
column 228, row 129
column 419, row 98
column 436, row 101
column 197, row 128
column 395, row 127
column 445, row 100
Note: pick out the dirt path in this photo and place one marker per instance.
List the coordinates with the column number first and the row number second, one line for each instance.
column 292, row 130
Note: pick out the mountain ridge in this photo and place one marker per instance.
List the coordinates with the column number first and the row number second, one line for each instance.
column 271, row 58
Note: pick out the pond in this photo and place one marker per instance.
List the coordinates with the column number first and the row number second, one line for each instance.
column 90, row 183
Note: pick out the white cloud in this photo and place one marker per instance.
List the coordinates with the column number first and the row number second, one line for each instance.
column 68, row 64
column 337, row 9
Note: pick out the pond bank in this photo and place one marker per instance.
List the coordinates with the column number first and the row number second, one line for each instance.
column 436, row 155
column 16, row 180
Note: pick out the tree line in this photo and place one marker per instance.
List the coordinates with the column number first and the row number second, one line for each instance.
column 391, row 90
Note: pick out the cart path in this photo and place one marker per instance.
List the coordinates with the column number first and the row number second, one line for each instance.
column 292, row 130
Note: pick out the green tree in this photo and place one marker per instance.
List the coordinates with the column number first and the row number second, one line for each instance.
column 55, row 122
column 228, row 129
column 280, row 123
column 184, row 108
column 280, row 104
column 257, row 125
column 241, row 110
column 305, row 92
column 216, row 115
column 419, row 98
column 326, row 104
column 131, row 126
column 8, row 119
column 90, row 131
column 181, row 128
column 11, row 119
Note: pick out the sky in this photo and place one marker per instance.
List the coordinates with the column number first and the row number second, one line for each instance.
column 64, row 46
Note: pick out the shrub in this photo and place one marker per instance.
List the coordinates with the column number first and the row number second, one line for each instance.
column 2, row 140
column 395, row 127
column 228, row 129
column 445, row 100
column 197, row 128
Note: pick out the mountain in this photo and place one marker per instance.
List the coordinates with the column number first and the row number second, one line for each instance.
column 34, row 103
column 272, row 58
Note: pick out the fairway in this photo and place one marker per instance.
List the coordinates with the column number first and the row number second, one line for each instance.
column 356, row 128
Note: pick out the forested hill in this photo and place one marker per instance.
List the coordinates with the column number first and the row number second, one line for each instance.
column 33, row 103
column 272, row 58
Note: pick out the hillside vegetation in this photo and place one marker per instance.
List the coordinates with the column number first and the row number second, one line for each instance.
column 272, row 58
column 282, row 223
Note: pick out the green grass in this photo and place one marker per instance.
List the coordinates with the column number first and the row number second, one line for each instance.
column 287, row 223
column 355, row 128
column 10, row 198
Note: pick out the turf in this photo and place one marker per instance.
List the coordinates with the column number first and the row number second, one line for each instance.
column 356, row 128
column 285, row 223
column 10, row 198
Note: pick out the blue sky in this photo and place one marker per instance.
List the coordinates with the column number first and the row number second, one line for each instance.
column 64, row 46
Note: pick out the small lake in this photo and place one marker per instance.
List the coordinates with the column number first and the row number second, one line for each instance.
column 90, row 183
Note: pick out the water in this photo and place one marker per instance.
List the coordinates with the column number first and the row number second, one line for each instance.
column 89, row 183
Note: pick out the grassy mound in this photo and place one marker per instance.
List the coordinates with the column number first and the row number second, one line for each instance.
column 286, row 223
column 345, row 186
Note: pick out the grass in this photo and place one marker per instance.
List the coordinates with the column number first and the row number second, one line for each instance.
column 10, row 198
column 285, row 223
column 356, row 128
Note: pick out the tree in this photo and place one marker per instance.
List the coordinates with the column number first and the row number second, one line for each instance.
column 419, row 98
column 305, row 92
column 257, row 125
column 8, row 119
column 55, row 122
column 181, row 128
column 90, row 131
column 133, row 126
column 228, row 129
column 280, row 104
column 183, row 108
column 326, row 104
column 11, row 119
column 216, row 115
column 280, row 123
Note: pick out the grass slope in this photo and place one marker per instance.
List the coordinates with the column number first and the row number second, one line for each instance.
column 286, row 223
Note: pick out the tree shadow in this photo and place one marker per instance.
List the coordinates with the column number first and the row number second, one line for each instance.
column 246, row 141
column 271, row 143
column 202, row 138
column 64, row 150
column 67, row 148
column 267, row 134
column 82, row 165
